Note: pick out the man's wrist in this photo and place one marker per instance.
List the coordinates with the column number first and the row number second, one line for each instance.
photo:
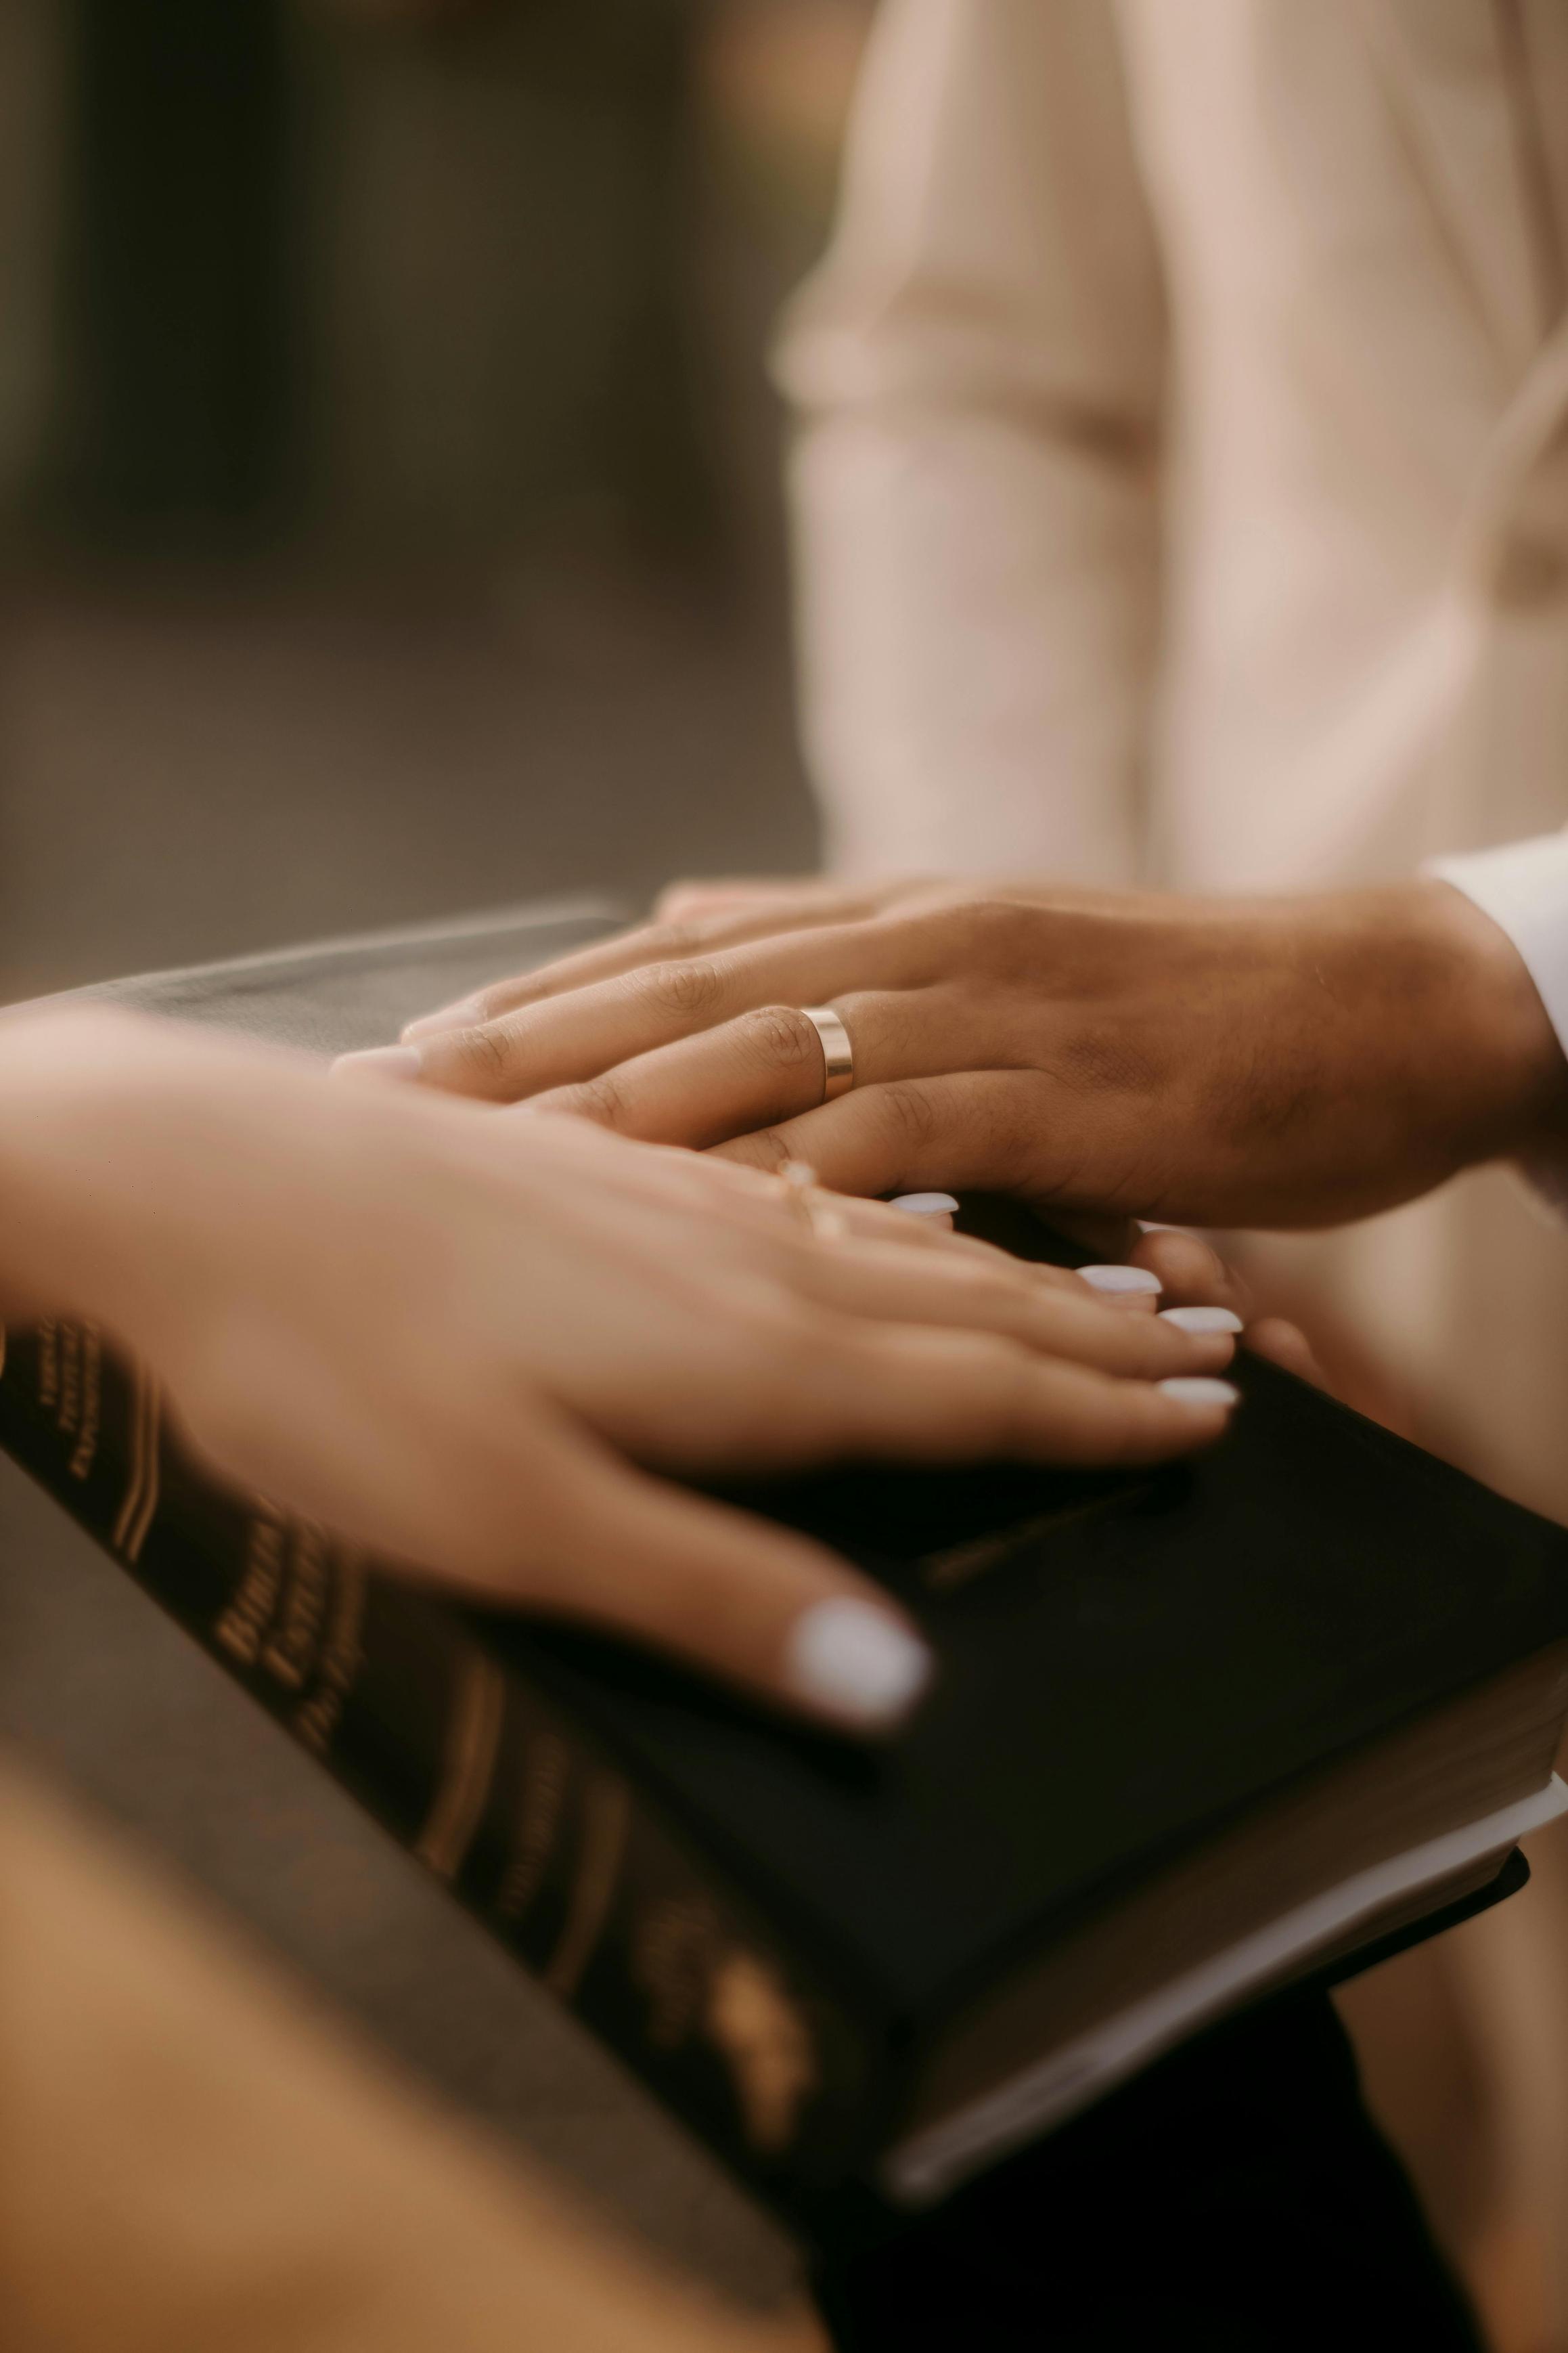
column 1509, row 1073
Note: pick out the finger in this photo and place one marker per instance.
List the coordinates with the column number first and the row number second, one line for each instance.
column 800, row 897
column 731, row 1077
column 567, row 1038
column 644, row 944
column 950, row 1397
column 1191, row 1273
column 1000, row 1131
column 764, row 1066
column 1287, row 1345
column 666, row 940
column 755, row 1603
column 746, row 894
column 710, row 1186
column 884, row 1281
column 536, row 1513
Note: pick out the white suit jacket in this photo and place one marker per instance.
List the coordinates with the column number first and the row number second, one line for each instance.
column 1182, row 471
column 1181, row 495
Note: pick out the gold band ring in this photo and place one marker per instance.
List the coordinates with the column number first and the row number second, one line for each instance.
column 837, row 1053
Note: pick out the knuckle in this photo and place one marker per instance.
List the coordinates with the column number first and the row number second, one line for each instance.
column 909, row 1113
column 1019, row 1112
column 995, row 934
column 768, row 1147
column 603, row 1100
column 674, row 939
column 781, row 1037
column 1103, row 1059
column 686, row 989
column 999, row 1302
column 481, row 1051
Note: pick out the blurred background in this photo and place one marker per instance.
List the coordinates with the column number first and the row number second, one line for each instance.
column 389, row 518
column 389, row 526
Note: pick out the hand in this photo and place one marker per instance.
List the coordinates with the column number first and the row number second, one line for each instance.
column 1223, row 1061
column 454, row 1336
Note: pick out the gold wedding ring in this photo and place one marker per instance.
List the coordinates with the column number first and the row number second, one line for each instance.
column 837, row 1053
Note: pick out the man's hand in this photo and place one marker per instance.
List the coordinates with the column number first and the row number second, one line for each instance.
column 1284, row 1062
column 465, row 1341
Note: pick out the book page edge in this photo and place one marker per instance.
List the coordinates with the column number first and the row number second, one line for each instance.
column 925, row 2168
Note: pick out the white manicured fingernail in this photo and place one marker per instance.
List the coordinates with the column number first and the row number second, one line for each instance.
column 1198, row 1389
column 1201, row 1319
column 1123, row 1279
column 379, row 1062
column 941, row 1208
column 856, row 1662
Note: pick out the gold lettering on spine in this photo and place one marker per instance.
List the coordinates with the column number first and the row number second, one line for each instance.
column 67, row 1417
column 546, row 1773
column 291, row 1655
column 49, row 1364
column 86, row 1452
column 341, row 1660
column 242, row 1626
column 142, row 1491
column 473, row 1736
column 767, row 2044
column 675, row 1951
column 607, row 1812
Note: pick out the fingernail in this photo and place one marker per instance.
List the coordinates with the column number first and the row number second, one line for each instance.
column 450, row 1016
column 1201, row 1319
column 1199, row 1389
column 856, row 1662
column 379, row 1062
column 1125, row 1279
column 940, row 1208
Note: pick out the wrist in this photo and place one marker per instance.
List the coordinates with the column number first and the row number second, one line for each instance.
column 100, row 1115
column 1500, row 1061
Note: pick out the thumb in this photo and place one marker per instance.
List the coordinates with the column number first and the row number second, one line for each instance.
column 756, row 1604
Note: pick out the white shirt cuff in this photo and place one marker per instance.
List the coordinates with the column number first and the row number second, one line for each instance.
column 1523, row 887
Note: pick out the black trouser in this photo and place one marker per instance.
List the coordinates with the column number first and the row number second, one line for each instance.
column 1236, row 2196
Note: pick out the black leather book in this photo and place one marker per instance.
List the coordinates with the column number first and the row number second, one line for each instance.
column 1198, row 1733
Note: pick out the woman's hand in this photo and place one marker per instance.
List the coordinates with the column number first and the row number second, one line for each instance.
column 1220, row 1061
column 465, row 1341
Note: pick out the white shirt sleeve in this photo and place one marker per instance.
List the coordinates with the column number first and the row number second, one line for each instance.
column 1523, row 887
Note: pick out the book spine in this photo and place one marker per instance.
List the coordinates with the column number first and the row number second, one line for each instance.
column 480, row 1773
